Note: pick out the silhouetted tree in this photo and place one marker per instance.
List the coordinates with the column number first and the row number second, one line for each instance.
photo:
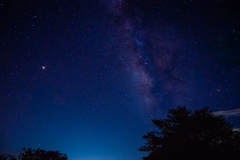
column 12, row 157
column 192, row 135
column 39, row 154
column 2, row 157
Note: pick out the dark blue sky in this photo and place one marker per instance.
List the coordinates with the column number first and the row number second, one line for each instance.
column 87, row 77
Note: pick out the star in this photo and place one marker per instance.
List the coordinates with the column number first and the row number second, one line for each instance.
column 43, row 67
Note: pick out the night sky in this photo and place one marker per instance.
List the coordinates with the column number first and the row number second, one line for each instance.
column 86, row 77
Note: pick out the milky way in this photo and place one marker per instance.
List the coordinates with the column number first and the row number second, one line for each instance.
column 160, row 63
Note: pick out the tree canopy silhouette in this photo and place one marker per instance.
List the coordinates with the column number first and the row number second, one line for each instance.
column 39, row 154
column 192, row 135
column 2, row 157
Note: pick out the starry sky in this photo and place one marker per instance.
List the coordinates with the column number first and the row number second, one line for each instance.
column 86, row 77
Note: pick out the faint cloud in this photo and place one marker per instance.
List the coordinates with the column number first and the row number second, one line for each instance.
column 236, row 129
column 228, row 113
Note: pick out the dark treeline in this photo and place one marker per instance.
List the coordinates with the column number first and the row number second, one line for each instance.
column 39, row 154
column 184, row 134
